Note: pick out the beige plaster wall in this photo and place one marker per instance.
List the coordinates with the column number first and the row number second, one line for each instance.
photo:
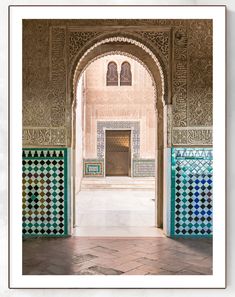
column 118, row 103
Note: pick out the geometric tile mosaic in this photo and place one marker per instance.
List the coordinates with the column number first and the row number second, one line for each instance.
column 93, row 167
column 192, row 184
column 44, row 185
column 143, row 167
column 134, row 126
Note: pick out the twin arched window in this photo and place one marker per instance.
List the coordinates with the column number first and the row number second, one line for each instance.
column 125, row 75
column 112, row 74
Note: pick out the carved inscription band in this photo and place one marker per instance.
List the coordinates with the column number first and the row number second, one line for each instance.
column 44, row 136
column 192, row 136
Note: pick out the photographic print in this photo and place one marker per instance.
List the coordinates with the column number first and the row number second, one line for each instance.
column 119, row 146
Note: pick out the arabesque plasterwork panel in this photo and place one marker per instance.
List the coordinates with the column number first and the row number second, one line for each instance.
column 179, row 77
column 192, row 136
column 200, row 74
column 44, row 136
column 49, row 47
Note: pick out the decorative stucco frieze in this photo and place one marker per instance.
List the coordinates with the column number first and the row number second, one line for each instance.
column 200, row 71
column 77, row 40
column 49, row 47
column 44, row 136
column 169, row 124
column 57, row 95
column 199, row 137
column 122, row 39
column 192, row 136
column 179, row 78
column 160, row 39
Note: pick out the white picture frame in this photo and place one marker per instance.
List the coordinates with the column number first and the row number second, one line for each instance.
column 218, row 15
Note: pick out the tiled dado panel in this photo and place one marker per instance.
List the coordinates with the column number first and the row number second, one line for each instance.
column 143, row 167
column 93, row 167
column 191, row 192
column 44, row 209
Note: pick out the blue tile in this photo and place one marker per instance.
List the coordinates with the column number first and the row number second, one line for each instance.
column 192, row 206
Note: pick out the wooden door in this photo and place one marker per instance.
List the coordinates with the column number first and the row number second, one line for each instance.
column 118, row 152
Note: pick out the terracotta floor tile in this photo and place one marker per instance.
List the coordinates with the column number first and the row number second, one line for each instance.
column 187, row 272
column 157, row 271
column 172, row 266
column 104, row 270
column 78, row 259
column 147, row 261
column 128, row 266
column 141, row 270
column 79, row 267
column 106, row 262
column 125, row 253
column 130, row 257
column 104, row 249
column 99, row 255
column 57, row 270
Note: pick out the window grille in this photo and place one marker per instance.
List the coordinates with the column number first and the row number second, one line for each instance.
column 125, row 75
column 112, row 74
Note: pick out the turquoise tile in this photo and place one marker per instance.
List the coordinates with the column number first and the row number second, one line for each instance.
column 191, row 195
column 44, row 192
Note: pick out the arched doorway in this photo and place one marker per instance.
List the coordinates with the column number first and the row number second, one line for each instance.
column 134, row 48
column 115, row 147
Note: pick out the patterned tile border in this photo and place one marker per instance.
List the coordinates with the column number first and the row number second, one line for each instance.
column 45, row 190
column 93, row 167
column 191, row 192
column 143, row 167
column 131, row 125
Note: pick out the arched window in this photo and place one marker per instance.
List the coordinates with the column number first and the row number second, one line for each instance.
column 125, row 75
column 112, row 74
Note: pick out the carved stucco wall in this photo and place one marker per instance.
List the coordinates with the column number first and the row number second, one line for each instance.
column 184, row 49
column 44, row 84
column 192, row 92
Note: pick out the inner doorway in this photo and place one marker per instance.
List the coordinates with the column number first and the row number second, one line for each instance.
column 115, row 151
column 118, row 153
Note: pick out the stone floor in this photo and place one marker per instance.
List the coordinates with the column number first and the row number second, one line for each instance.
column 115, row 213
column 118, row 231
column 116, row 255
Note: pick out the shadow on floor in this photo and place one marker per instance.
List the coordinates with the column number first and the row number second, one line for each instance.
column 115, row 256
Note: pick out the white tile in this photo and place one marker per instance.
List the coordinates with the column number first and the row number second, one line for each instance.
column 118, row 232
column 115, row 208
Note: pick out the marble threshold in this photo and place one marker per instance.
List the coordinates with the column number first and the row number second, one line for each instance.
column 118, row 231
column 118, row 183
